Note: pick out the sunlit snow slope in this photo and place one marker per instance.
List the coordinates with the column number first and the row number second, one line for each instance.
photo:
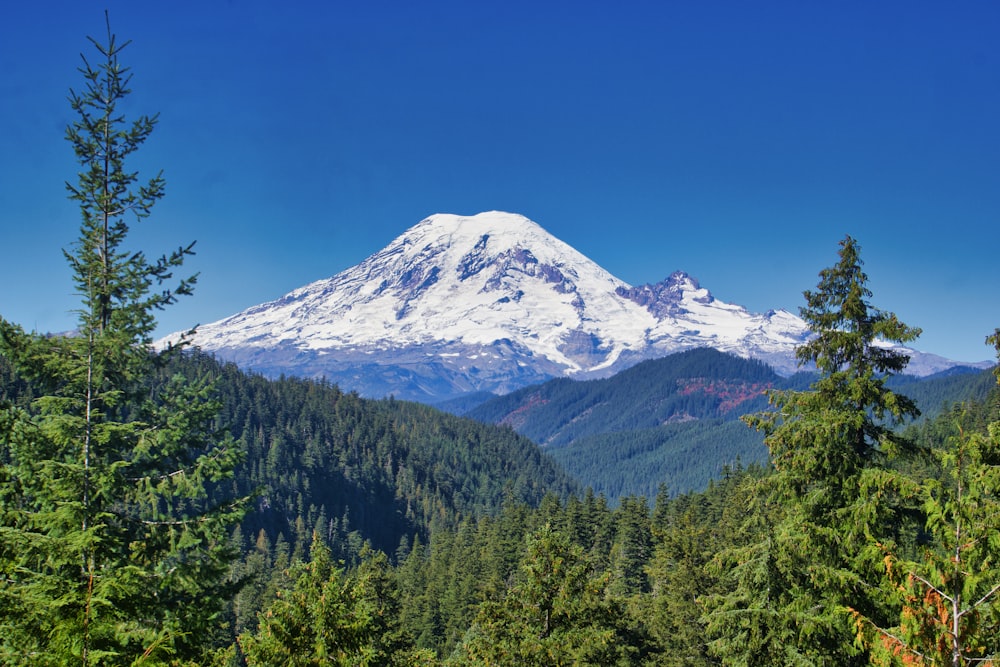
column 486, row 302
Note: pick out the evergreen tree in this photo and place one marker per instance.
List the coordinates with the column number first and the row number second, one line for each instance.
column 114, row 535
column 558, row 613
column 950, row 589
column 633, row 547
column 252, row 573
column 690, row 531
column 754, row 621
column 821, row 442
column 332, row 618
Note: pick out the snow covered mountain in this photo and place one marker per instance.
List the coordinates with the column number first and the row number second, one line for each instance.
column 488, row 302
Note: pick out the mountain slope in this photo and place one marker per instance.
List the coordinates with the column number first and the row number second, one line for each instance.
column 674, row 420
column 666, row 421
column 385, row 468
column 682, row 387
column 490, row 302
column 351, row 468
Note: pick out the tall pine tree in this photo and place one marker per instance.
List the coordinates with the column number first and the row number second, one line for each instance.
column 949, row 589
column 113, row 543
column 821, row 442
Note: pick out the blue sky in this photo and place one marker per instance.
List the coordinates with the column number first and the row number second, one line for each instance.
column 737, row 141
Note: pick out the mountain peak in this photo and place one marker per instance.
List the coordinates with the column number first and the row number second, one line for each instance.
column 464, row 231
column 485, row 302
column 666, row 298
column 492, row 219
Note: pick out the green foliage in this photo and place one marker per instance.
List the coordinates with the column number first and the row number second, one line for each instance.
column 689, row 531
column 667, row 420
column 822, row 442
column 845, row 421
column 357, row 470
column 557, row 613
column 689, row 385
column 330, row 617
column 114, row 537
column 685, row 456
column 938, row 393
column 672, row 420
column 949, row 587
column 632, row 548
column 758, row 612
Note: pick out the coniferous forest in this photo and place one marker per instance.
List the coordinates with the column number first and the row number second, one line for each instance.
column 158, row 507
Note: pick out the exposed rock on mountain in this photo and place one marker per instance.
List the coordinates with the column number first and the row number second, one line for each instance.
column 490, row 302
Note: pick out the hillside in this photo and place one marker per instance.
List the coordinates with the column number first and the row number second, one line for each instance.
column 669, row 421
column 357, row 469
column 683, row 387
column 674, row 420
column 936, row 393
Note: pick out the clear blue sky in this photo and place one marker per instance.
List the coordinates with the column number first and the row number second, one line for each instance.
column 737, row 141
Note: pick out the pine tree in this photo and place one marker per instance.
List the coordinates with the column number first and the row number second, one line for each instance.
column 950, row 588
column 633, row 547
column 114, row 536
column 821, row 442
column 330, row 617
column 558, row 613
column 690, row 531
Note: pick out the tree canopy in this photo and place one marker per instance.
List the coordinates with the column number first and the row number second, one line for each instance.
column 115, row 538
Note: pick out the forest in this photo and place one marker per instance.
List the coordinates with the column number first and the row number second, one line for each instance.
column 158, row 507
column 675, row 420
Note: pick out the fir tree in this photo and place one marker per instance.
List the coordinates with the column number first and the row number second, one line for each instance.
column 558, row 613
column 114, row 535
column 950, row 589
column 330, row 617
column 821, row 442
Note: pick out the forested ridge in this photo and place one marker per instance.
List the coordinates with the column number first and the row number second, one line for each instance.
column 683, row 386
column 674, row 420
column 321, row 459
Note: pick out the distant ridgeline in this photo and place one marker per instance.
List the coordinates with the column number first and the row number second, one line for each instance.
column 674, row 421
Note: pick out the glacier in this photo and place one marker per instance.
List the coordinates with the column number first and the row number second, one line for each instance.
column 489, row 302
